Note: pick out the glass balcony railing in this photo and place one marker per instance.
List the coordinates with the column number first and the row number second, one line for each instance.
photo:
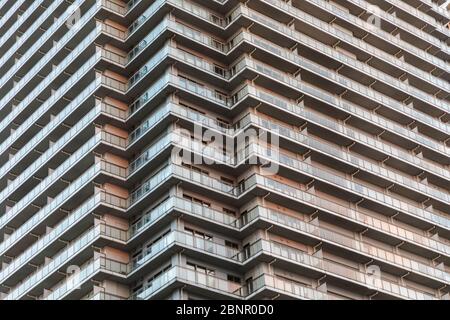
column 183, row 205
column 9, row 54
column 88, row 271
column 149, row 122
column 42, row 134
column 331, row 236
column 204, row 13
column 437, row 9
column 399, row 22
column 179, row 237
column 42, row 40
column 5, row 145
column 215, row 251
column 152, row 35
column 365, row 141
column 277, row 249
column 360, row 137
column 103, row 296
column 378, row 31
column 309, row 89
column 318, row 45
column 47, row 58
column 272, row 248
column 347, row 82
column 187, row 240
column 285, row 159
column 73, row 187
column 357, row 188
column 329, row 177
column 326, row 27
column 196, row 278
column 137, row 23
column 185, row 5
column 181, row 142
column 37, row 248
column 64, row 225
column 353, row 159
column 86, row 67
column 13, row 29
column 218, row 186
column 61, row 259
column 147, row 67
column 125, row 269
column 346, row 106
column 354, row 135
column 100, row 137
column 190, row 277
column 115, row 7
column 379, row 253
column 286, row 286
column 292, row 255
column 56, row 147
column 11, row 11
column 355, row 215
column 419, row 15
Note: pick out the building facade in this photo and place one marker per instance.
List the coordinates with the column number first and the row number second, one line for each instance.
column 224, row 149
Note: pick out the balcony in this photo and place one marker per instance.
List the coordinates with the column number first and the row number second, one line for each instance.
column 194, row 281
column 34, row 282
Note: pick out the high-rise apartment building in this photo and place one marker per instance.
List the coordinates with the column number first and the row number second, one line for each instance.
column 224, row 149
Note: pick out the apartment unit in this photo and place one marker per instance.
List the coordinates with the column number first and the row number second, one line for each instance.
column 224, row 149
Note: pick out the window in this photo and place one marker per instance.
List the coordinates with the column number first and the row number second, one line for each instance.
column 141, row 220
column 137, row 288
column 227, row 181
column 220, row 95
column 196, row 169
column 199, row 234
column 231, row 245
column 293, row 281
column 196, row 200
column 247, row 251
column 217, row 20
column 233, row 278
column 229, row 212
column 200, row 269
column 136, row 255
column 157, row 239
column 223, row 123
column 191, row 84
column 219, row 70
column 156, row 275
column 193, row 112
column 241, row 186
column 249, row 284
column 243, row 218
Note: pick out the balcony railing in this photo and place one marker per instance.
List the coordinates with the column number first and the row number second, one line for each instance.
column 13, row 29
column 89, row 270
column 325, row 27
column 60, row 260
column 190, row 277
